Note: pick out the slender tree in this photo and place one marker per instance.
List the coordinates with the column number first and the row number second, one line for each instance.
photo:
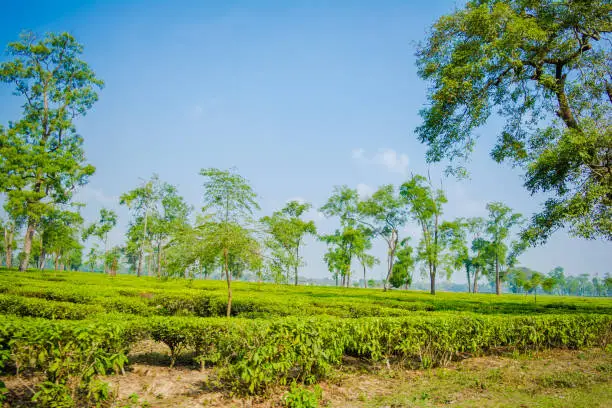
column 141, row 201
column 100, row 229
column 230, row 202
column 425, row 205
column 42, row 154
column 501, row 221
column 385, row 213
column 287, row 231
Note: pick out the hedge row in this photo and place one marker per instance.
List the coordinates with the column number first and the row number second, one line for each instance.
column 253, row 354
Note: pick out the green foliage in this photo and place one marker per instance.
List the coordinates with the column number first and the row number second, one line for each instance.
column 544, row 66
column 229, row 202
column 425, row 205
column 42, row 153
column 384, row 213
column 306, row 331
column 287, row 232
column 300, row 397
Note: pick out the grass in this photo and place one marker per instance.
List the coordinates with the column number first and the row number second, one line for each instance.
column 556, row 378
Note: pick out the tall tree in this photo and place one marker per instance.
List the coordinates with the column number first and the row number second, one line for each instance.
column 172, row 216
column 288, row 230
column 42, row 153
column 229, row 200
column 100, row 229
column 141, row 201
column 425, row 206
column 499, row 225
column 385, row 213
column 345, row 242
column 544, row 67
column 365, row 259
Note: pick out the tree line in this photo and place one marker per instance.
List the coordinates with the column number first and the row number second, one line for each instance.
column 552, row 84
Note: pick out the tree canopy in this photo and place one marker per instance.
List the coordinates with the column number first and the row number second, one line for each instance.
column 544, row 67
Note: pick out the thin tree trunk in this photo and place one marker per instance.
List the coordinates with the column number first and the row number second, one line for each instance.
column 392, row 243
column 8, row 242
column 139, row 267
column 297, row 257
column 56, row 262
column 365, row 282
column 467, row 271
column 475, row 289
column 497, row 279
column 229, row 282
column 159, row 257
column 142, row 246
column 41, row 261
column 27, row 246
column 432, row 280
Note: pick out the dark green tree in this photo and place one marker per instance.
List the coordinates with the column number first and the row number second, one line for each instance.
column 544, row 67
column 42, row 159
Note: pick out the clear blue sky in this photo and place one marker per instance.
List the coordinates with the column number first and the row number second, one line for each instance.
column 299, row 96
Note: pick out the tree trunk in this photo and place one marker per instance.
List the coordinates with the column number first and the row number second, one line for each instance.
column 497, row 279
column 475, row 290
column 8, row 245
column 139, row 267
column 229, row 282
column 27, row 246
column 432, row 278
column 41, row 261
column 467, row 271
column 365, row 282
column 56, row 263
column 392, row 243
column 297, row 257
column 9, row 257
column 159, row 258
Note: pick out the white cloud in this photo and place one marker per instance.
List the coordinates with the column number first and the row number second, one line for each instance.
column 390, row 159
column 90, row 194
column 364, row 190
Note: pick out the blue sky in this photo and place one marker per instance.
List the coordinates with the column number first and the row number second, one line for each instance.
column 299, row 96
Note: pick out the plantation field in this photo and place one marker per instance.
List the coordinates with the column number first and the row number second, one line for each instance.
column 77, row 337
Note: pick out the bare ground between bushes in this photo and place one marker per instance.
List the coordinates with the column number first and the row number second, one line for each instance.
column 554, row 378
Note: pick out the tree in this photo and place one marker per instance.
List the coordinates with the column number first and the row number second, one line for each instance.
column 42, row 154
column 230, row 201
column 538, row 280
column 517, row 279
column 172, row 216
column 557, row 274
column 287, row 230
column 501, row 221
column 385, row 213
column 141, row 201
column 347, row 241
column 365, row 259
column 402, row 267
column 100, row 229
column 344, row 245
column 59, row 237
column 468, row 248
column 426, row 209
column 544, row 67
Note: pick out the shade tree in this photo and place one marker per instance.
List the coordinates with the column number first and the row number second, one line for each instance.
column 43, row 161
